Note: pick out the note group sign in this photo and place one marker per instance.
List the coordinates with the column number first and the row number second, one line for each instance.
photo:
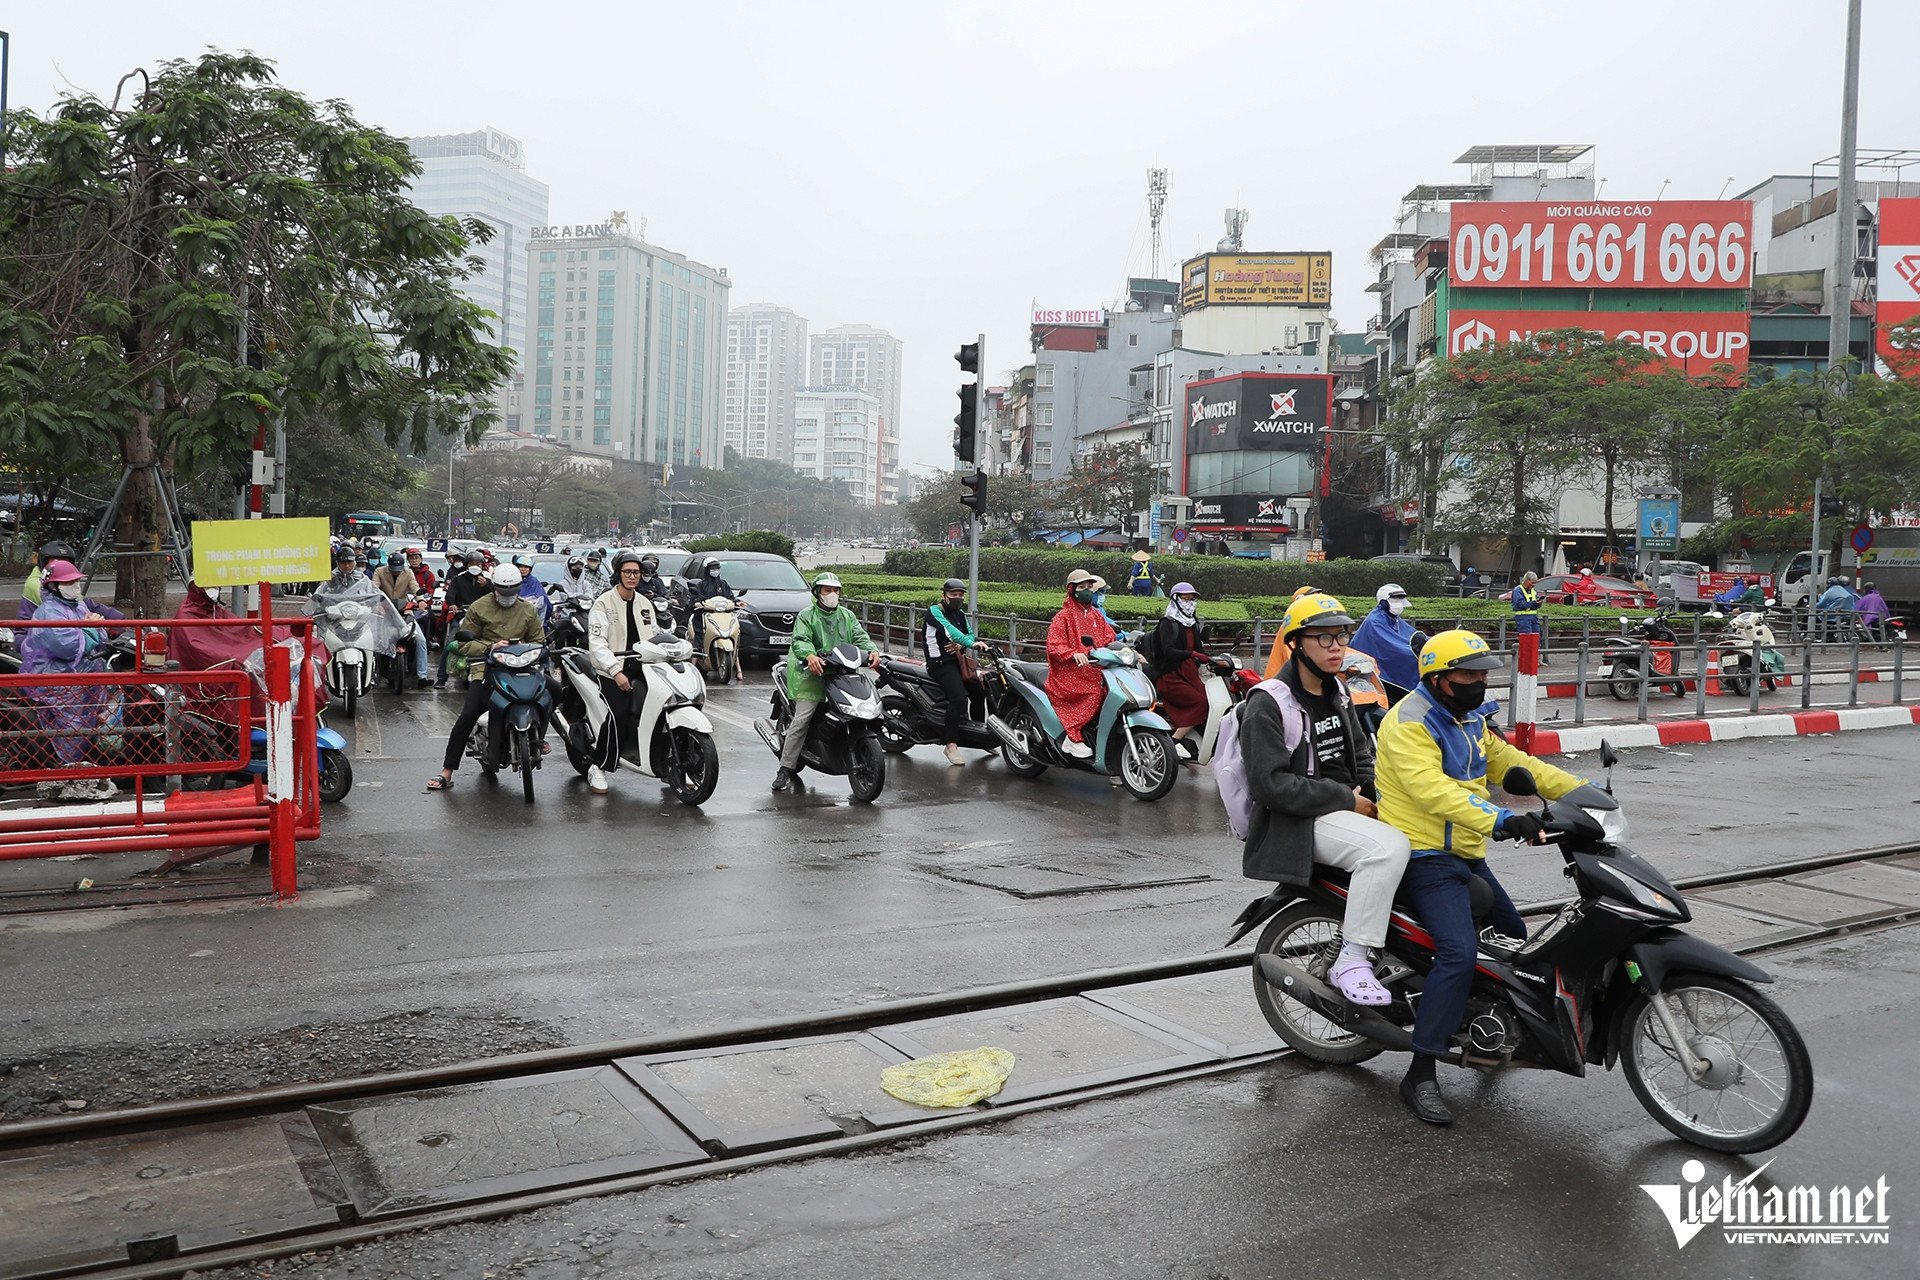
column 238, row 553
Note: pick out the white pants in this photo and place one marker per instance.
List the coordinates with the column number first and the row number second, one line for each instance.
column 1375, row 857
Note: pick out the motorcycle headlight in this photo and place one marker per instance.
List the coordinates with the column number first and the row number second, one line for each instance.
column 1613, row 824
column 1644, row 897
column 517, row 661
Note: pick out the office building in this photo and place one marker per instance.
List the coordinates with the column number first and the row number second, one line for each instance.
column 483, row 175
column 766, row 364
column 859, row 355
column 628, row 347
column 836, row 436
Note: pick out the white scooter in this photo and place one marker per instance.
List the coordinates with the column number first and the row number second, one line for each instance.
column 1226, row 683
column 674, row 735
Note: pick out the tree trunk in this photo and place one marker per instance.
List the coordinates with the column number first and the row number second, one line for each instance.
column 1609, row 466
column 140, row 580
column 1515, row 550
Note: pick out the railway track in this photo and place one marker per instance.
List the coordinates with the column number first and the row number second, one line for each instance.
column 318, row 1140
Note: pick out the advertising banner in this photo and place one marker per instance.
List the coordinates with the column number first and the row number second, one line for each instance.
column 1258, row 411
column 1245, row 512
column 1667, row 244
column 1694, row 342
column 1078, row 316
column 1258, row 280
column 238, row 553
column 1659, row 524
column 1899, row 280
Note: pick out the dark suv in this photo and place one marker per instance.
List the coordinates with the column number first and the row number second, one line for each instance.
column 1449, row 572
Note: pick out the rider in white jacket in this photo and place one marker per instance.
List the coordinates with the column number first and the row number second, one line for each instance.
column 617, row 620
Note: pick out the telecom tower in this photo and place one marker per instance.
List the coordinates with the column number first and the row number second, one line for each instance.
column 1156, row 206
column 1236, row 231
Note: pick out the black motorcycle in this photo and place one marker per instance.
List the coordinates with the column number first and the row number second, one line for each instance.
column 844, row 735
column 913, row 707
column 519, row 703
column 1650, row 643
column 1610, row 978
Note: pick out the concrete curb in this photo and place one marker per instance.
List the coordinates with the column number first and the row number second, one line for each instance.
column 1670, row 733
column 1569, row 689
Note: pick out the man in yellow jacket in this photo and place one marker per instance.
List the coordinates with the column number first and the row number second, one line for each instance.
column 1435, row 752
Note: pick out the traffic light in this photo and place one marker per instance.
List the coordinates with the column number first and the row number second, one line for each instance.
column 974, row 498
column 966, row 423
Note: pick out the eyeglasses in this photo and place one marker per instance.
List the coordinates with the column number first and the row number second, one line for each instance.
column 1330, row 639
column 633, row 569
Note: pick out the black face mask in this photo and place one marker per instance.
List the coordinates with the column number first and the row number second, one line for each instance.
column 1464, row 698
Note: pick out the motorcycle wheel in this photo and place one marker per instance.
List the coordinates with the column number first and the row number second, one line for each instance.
column 398, row 681
column 895, row 737
column 1736, row 685
column 724, row 667
column 1760, row 1085
column 1307, row 936
column 1148, row 763
column 1019, row 763
column 529, row 757
column 575, row 740
column 336, row 776
column 1624, row 688
column 869, row 772
column 1769, row 683
column 352, row 695
column 693, row 768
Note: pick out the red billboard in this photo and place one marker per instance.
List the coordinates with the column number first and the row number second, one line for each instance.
column 1691, row 341
column 1899, row 281
column 1647, row 244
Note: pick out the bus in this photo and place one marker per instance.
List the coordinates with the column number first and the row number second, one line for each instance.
column 378, row 524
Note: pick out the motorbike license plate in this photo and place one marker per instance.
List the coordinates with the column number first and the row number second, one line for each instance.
column 779, row 642
column 1606, row 669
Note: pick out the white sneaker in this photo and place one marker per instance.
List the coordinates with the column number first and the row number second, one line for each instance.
column 1078, row 750
column 596, row 780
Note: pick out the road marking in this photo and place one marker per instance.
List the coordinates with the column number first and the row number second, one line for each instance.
column 366, row 729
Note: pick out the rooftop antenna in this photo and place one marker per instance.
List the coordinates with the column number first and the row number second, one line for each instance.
column 1663, row 188
column 1156, row 206
column 1723, row 189
column 1602, row 187
column 1236, row 231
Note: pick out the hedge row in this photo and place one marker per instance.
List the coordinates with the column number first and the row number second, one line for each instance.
column 778, row 544
column 1219, row 577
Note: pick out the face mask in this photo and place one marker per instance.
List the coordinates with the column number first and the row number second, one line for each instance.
column 1465, row 698
column 71, row 592
column 829, row 599
column 506, row 595
column 476, row 569
column 714, row 572
column 1185, row 606
column 1082, row 595
column 1099, row 599
column 1396, row 607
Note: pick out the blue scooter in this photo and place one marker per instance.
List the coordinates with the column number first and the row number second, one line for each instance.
column 1128, row 739
column 336, row 766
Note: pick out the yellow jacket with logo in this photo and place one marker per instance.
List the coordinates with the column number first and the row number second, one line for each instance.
column 1431, row 773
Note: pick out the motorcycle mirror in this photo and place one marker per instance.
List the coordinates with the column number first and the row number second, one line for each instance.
column 1608, row 757
column 1519, row 782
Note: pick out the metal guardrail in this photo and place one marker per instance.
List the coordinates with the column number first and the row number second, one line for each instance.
column 1840, row 665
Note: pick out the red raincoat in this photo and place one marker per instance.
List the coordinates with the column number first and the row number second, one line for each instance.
column 1074, row 690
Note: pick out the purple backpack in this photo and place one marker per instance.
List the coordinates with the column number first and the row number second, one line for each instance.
column 1230, row 767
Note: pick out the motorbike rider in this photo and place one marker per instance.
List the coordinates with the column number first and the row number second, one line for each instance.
column 820, row 628
column 1734, row 596
column 70, row 715
column 1585, row 589
column 707, row 583
column 1436, row 749
column 422, row 574
column 1177, row 655
column 1073, row 685
column 1875, row 617
column 617, row 621
column 532, row 590
column 397, row 583
column 947, row 633
column 1525, row 600
column 463, row 589
column 575, row 582
column 45, row 555
column 653, row 586
column 1311, row 768
column 1387, row 637
column 600, row 581
column 1277, row 655
column 499, row 618
column 1835, row 607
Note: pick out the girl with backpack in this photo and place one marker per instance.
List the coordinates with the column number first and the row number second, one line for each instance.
column 1296, row 776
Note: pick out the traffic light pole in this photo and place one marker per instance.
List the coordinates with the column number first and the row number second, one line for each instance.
column 968, row 450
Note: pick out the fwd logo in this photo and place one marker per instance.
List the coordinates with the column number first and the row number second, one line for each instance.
column 1469, row 335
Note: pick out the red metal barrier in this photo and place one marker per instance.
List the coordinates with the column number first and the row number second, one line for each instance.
column 158, row 726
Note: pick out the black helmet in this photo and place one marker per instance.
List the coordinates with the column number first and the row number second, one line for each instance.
column 649, row 563
column 952, row 584
column 627, row 558
column 58, row 550
column 395, row 560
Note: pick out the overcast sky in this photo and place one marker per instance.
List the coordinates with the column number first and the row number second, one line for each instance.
column 937, row 169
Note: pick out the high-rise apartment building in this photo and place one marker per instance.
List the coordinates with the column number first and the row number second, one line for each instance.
column 627, row 347
column 836, row 436
column 483, row 175
column 766, row 363
column 859, row 355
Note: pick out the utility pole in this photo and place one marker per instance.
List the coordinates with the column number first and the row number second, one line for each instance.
column 972, row 359
column 1840, row 295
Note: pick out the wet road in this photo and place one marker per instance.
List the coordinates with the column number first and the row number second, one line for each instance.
column 599, row 918
column 1282, row 1170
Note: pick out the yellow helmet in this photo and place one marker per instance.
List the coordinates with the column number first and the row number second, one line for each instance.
column 1305, row 591
column 1456, row 650
column 1313, row 611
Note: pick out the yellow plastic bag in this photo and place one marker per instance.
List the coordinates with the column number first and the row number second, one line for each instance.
column 957, row 1079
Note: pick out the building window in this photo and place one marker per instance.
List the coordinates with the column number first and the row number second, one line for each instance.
column 1043, row 375
column 1043, row 455
column 1043, row 415
column 548, row 255
column 1313, row 331
column 606, row 255
column 1133, row 339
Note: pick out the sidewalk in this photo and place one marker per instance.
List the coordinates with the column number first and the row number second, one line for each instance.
column 1548, row 740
